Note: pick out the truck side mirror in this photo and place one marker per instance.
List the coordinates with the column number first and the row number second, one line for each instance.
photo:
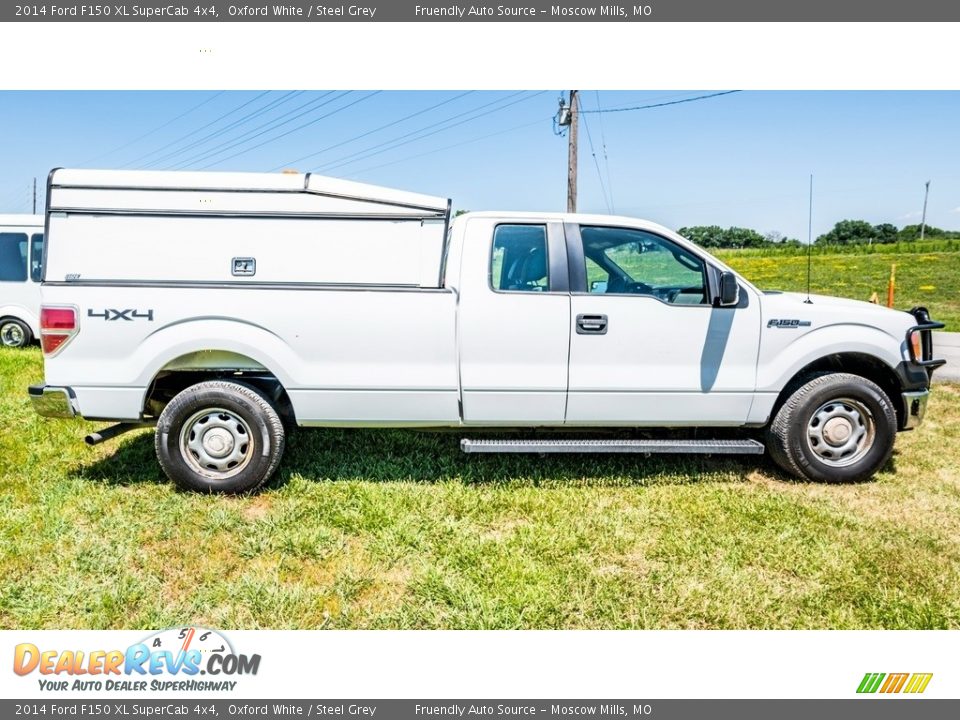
column 729, row 289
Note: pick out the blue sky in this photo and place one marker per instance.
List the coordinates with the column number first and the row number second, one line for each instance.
column 739, row 159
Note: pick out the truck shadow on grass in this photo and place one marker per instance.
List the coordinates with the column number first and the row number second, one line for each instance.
column 382, row 456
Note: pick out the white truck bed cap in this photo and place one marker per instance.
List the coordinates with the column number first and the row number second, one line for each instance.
column 62, row 178
column 140, row 226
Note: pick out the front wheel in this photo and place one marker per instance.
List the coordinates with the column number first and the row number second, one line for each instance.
column 14, row 333
column 219, row 436
column 837, row 427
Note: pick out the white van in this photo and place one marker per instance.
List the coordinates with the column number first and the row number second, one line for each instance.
column 21, row 264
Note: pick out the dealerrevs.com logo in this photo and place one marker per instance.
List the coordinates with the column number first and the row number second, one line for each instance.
column 172, row 659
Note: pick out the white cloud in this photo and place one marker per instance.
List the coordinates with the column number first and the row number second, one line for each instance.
column 956, row 209
column 910, row 215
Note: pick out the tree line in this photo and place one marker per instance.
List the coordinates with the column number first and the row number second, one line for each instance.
column 845, row 232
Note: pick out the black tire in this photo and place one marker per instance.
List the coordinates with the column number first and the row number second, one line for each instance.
column 219, row 437
column 14, row 333
column 798, row 447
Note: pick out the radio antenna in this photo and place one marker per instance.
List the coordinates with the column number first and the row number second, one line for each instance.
column 808, row 301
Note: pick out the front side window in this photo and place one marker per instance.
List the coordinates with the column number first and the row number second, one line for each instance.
column 519, row 260
column 36, row 257
column 633, row 262
column 13, row 257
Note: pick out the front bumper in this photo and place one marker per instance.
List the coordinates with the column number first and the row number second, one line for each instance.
column 915, row 406
column 53, row 402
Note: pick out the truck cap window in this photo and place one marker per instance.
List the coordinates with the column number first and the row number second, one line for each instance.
column 519, row 259
column 13, row 257
column 621, row 261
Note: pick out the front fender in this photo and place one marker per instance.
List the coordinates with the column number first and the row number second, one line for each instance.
column 783, row 355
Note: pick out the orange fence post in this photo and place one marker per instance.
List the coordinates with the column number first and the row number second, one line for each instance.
column 890, row 285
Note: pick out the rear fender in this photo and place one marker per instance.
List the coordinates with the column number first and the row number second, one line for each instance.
column 214, row 344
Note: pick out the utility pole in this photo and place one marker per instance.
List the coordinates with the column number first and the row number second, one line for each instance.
column 923, row 221
column 568, row 117
column 34, row 196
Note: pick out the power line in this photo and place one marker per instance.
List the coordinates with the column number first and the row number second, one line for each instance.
column 366, row 152
column 449, row 147
column 287, row 117
column 596, row 163
column 156, row 129
column 217, row 133
column 19, row 197
column 663, row 104
column 655, row 98
column 337, row 163
column 298, row 128
column 371, row 132
column 606, row 159
column 195, row 131
column 13, row 189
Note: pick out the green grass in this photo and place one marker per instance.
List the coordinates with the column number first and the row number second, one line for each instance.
column 391, row 529
column 927, row 274
column 915, row 247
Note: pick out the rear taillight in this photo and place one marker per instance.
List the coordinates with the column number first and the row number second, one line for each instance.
column 57, row 326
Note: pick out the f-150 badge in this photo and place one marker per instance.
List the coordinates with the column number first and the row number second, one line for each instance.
column 791, row 323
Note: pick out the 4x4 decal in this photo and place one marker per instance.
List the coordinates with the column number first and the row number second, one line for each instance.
column 130, row 314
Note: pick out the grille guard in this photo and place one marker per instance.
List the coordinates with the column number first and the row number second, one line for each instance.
column 924, row 326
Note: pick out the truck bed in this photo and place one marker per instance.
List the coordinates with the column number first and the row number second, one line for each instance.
column 401, row 367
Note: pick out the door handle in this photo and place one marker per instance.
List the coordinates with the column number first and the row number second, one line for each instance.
column 591, row 324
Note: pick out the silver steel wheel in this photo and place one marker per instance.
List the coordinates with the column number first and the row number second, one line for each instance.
column 841, row 432
column 11, row 334
column 216, row 443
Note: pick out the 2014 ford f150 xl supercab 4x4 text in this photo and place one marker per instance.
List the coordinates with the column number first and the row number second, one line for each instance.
column 224, row 307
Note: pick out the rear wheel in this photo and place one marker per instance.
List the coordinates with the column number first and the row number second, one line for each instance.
column 837, row 427
column 14, row 333
column 219, row 436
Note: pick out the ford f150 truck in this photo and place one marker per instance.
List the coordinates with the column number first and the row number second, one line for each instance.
column 226, row 308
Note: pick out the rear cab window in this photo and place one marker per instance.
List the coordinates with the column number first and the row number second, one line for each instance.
column 519, row 261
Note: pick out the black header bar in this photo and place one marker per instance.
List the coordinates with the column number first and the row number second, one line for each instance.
column 515, row 11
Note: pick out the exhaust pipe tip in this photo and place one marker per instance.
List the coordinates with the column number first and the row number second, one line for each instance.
column 95, row 438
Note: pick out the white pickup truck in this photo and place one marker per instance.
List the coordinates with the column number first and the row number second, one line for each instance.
column 226, row 308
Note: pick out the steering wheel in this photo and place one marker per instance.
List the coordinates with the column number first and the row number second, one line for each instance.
column 638, row 288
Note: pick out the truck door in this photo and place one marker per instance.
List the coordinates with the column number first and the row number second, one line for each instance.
column 514, row 323
column 647, row 346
